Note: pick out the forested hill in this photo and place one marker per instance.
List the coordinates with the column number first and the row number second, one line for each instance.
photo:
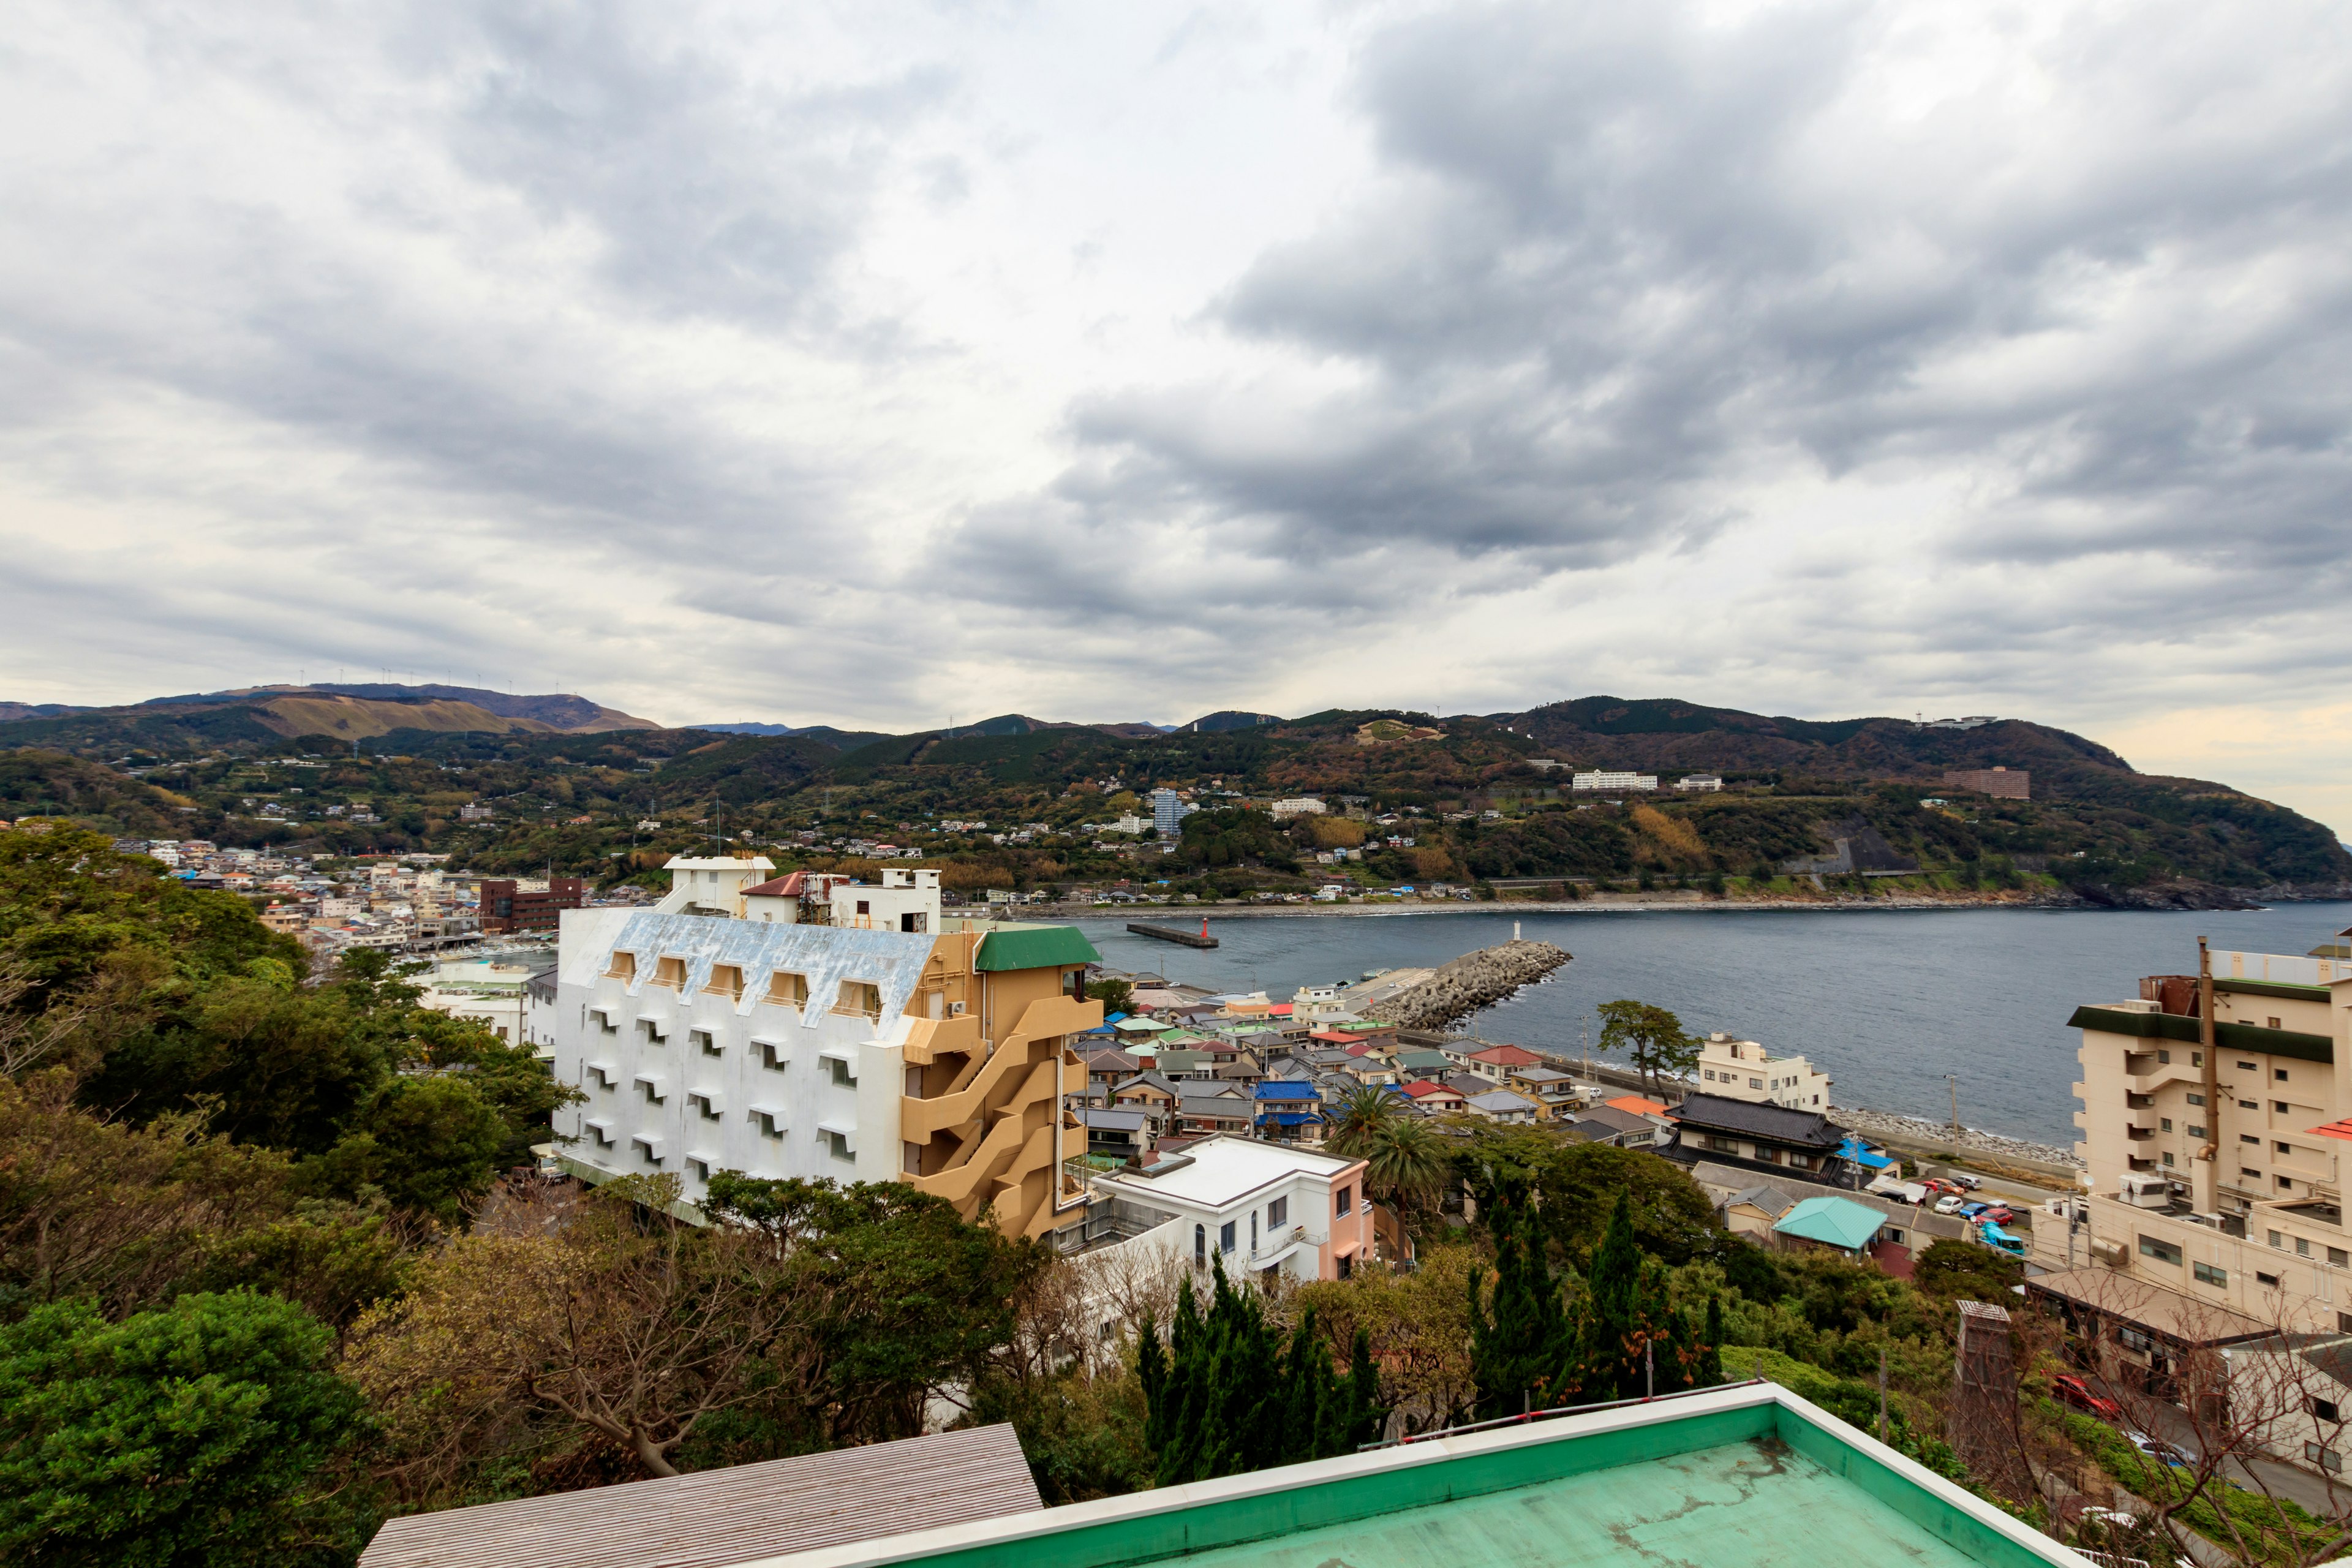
column 1660, row 735
column 1043, row 792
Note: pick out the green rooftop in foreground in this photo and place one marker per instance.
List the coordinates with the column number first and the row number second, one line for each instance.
column 1731, row 1477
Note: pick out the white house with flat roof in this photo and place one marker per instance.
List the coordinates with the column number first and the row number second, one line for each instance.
column 711, row 887
column 1261, row 1209
column 1742, row 1070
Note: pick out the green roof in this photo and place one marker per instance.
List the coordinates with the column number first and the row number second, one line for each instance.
column 1841, row 1222
column 1739, row 1477
column 1035, row 947
column 2290, row 1043
column 1423, row 1060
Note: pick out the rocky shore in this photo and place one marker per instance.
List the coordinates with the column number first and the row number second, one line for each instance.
column 1473, row 981
column 1885, row 1124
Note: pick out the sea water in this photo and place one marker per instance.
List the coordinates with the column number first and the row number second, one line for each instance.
column 1886, row 1002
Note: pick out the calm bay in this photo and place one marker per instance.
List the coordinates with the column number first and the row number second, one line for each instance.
column 1886, row 1002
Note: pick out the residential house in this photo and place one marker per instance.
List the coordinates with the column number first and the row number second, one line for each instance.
column 1126, row 1134
column 1105, row 1068
column 1753, row 1211
column 1832, row 1225
column 1434, row 1096
column 1243, row 1067
column 1260, row 1209
column 1742, row 1070
column 1764, row 1138
column 1223, row 1110
column 1505, row 1106
column 1423, row 1063
column 1607, row 1124
column 1496, row 1063
column 1553, row 1089
column 1290, row 1110
column 1149, row 1092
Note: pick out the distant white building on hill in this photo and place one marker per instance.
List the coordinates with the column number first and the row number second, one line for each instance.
column 1613, row 782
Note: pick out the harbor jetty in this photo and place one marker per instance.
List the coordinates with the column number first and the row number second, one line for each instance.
column 1175, row 933
column 1473, row 981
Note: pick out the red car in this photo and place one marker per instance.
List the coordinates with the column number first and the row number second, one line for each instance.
column 2071, row 1390
column 1997, row 1215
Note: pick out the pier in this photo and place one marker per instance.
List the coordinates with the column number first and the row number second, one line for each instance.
column 1170, row 934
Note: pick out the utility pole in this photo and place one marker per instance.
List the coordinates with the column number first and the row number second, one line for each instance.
column 1881, row 1394
column 1952, row 1080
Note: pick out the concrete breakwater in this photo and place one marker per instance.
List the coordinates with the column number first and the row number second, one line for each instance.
column 1473, row 981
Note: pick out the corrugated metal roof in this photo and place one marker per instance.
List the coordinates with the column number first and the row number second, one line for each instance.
column 1035, row 947
column 1837, row 1221
column 735, row 1515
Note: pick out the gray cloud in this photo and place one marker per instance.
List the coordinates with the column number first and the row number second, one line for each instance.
column 1830, row 351
column 1623, row 261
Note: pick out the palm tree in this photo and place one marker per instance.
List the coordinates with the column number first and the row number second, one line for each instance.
column 1403, row 1164
column 1360, row 1113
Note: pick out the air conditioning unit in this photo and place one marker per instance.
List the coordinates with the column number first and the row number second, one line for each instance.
column 955, row 1009
column 2145, row 1190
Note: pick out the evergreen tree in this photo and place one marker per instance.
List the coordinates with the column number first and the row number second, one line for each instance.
column 1635, row 1343
column 1151, row 1368
column 1522, row 1352
column 1367, row 1418
column 1232, row 1395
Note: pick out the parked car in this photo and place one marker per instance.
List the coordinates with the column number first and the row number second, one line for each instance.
column 1948, row 1203
column 1970, row 1210
column 1937, row 1185
column 1970, row 1183
column 2000, row 1240
column 2157, row 1448
column 1998, row 1214
column 2068, row 1389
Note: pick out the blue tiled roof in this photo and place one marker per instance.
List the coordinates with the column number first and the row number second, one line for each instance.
column 1287, row 1118
column 1286, row 1089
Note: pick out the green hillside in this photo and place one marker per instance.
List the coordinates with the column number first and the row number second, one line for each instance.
column 576, row 800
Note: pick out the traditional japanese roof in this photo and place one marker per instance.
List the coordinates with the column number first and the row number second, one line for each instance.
column 1775, row 1123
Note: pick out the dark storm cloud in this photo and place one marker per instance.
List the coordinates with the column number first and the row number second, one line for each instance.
column 1621, row 263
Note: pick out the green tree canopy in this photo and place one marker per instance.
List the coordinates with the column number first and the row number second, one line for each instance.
column 1652, row 1038
column 198, row 1434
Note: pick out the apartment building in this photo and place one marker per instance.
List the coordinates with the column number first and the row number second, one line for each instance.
column 1604, row 779
column 1742, row 1070
column 2214, row 1185
column 508, row 906
column 936, row 1057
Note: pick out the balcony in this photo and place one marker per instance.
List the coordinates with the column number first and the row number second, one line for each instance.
column 2139, row 1134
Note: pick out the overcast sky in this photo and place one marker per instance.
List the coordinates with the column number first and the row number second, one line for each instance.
column 884, row 363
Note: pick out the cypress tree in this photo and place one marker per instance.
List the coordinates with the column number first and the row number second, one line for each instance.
column 1710, row 1353
column 1614, row 1327
column 1520, row 1348
column 1151, row 1368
